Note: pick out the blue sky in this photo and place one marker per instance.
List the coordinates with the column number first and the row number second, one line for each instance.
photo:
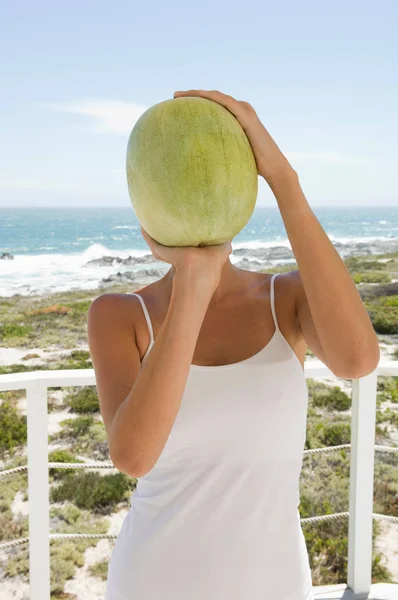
column 76, row 75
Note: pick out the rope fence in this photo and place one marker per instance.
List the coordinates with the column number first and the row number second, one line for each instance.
column 109, row 465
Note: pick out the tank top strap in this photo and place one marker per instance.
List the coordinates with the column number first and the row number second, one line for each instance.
column 147, row 317
column 273, row 300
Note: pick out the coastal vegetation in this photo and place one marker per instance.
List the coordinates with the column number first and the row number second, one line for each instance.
column 52, row 330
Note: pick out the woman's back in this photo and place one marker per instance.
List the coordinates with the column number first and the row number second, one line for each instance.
column 217, row 515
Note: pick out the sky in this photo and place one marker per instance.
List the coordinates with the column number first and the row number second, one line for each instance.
column 76, row 75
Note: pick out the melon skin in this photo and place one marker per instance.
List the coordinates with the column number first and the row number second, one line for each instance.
column 191, row 173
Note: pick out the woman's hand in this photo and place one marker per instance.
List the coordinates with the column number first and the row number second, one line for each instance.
column 271, row 162
column 203, row 263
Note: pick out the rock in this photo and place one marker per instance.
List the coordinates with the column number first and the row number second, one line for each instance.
column 119, row 278
column 105, row 261
column 345, row 250
column 109, row 261
column 249, row 265
column 6, row 256
column 272, row 253
column 137, row 276
column 139, row 260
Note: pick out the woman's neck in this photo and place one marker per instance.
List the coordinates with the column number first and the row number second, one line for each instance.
column 231, row 280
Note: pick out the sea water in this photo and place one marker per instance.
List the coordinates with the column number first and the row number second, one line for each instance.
column 52, row 246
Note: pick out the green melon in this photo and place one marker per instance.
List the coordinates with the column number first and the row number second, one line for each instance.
column 191, row 173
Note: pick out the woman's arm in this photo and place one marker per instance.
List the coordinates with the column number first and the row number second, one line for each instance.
column 143, row 422
column 139, row 405
column 329, row 307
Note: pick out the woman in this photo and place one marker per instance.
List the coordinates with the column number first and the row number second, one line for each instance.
column 211, row 418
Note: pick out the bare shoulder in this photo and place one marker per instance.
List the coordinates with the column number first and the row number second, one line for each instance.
column 294, row 279
column 297, row 287
column 292, row 286
column 286, row 283
column 110, row 313
column 119, row 305
column 294, row 276
column 124, row 310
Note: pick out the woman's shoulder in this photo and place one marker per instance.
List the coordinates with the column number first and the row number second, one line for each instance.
column 283, row 280
column 122, row 305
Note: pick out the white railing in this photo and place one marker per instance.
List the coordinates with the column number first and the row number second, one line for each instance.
column 360, row 514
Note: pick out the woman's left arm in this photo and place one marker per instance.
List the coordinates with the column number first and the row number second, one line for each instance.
column 328, row 303
column 330, row 310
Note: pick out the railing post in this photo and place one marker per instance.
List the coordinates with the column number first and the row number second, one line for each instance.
column 38, row 490
column 360, row 525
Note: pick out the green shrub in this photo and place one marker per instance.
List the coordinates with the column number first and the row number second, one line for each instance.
column 79, row 307
column 84, row 401
column 65, row 558
column 76, row 427
column 11, row 484
column 384, row 321
column 68, row 518
column 372, row 277
column 388, row 415
column 61, row 456
column 13, row 330
column 100, row 570
column 93, row 491
column 13, row 527
column 21, row 368
column 335, row 434
column 78, row 359
column 85, row 435
column 12, row 396
column 359, row 263
column 383, row 312
column 387, row 388
column 386, row 486
column 378, row 292
column 13, row 428
column 391, row 301
column 332, row 399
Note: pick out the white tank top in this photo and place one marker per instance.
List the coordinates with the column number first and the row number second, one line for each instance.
column 217, row 517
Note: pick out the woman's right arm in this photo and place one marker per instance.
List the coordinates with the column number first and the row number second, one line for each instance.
column 139, row 425
column 139, row 405
column 143, row 422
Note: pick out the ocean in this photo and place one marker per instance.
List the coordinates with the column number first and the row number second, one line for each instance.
column 52, row 246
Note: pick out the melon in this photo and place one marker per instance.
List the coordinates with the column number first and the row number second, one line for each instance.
column 191, row 173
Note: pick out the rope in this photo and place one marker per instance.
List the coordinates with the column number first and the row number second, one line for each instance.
column 106, row 464
column 109, row 465
column 71, row 536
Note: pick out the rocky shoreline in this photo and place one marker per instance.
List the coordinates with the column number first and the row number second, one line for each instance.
column 146, row 269
column 253, row 259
